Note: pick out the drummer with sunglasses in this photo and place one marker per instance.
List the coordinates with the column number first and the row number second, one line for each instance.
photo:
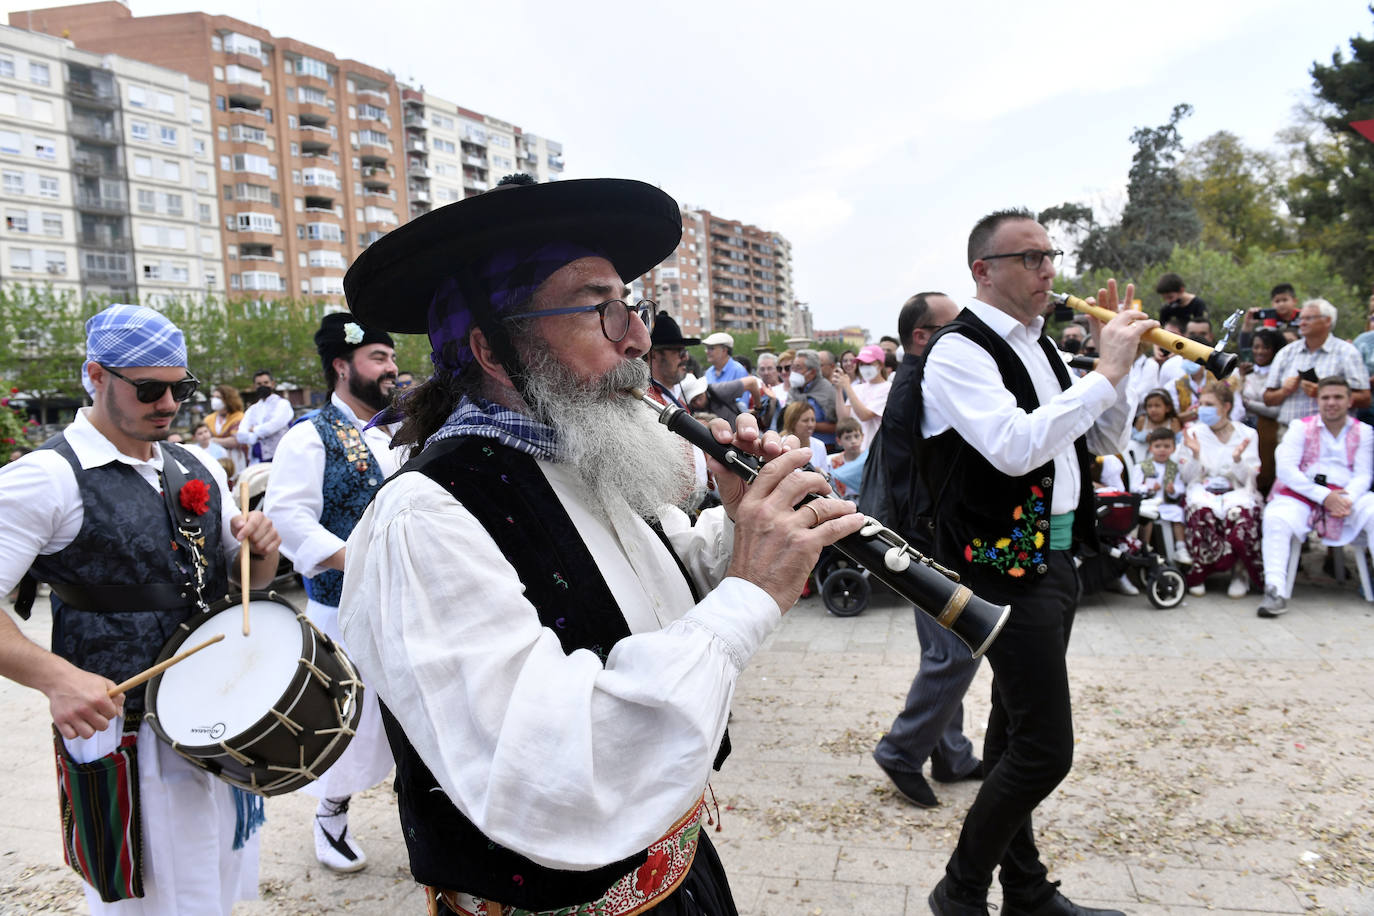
column 90, row 513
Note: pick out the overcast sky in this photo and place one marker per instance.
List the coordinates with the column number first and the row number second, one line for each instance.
column 871, row 135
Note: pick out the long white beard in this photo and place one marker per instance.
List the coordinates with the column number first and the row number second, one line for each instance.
column 617, row 446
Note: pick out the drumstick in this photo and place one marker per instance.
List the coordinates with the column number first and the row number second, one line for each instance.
column 160, row 667
column 245, row 557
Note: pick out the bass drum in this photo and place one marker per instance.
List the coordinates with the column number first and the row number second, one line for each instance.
column 268, row 712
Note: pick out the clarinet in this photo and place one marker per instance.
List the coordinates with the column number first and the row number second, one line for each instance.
column 932, row 588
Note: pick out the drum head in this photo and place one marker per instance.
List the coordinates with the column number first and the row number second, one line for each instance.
column 223, row 689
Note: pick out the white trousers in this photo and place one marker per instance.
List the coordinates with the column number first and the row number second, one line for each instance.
column 367, row 759
column 190, row 867
column 1286, row 518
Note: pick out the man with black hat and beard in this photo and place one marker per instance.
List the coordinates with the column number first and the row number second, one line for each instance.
column 554, row 646
column 324, row 475
column 668, row 360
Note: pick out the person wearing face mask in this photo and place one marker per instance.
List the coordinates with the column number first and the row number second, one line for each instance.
column 864, row 400
column 226, row 413
column 809, row 383
column 1187, row 388
column 1221, row 519
column 265, row 422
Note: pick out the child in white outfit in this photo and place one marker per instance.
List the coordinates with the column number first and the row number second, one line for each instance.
column 1157, row 479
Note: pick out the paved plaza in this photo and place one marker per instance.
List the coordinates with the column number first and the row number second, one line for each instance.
column 1224, row 763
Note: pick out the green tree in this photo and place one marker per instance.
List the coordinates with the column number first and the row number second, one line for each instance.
column 1333, row 194
column 43, row 342
column 1157, row 215
column 1234, row 191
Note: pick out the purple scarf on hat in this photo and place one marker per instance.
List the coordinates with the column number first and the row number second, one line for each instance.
column 505, row 279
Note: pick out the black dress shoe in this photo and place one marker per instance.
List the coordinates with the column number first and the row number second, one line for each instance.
column 943, row 774
column 941, row 905
column 913, row 787
column 1058, row 905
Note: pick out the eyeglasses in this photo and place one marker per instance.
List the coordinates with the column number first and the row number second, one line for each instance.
column 615, row 322
column 150, row 391
column 1031, row 258
column 786, row 368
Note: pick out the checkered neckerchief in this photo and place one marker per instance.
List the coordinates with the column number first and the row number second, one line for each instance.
column 485, row 420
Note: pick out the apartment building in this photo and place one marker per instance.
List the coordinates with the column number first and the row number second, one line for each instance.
column 452, row 152
column 107, row 174
column 307, row 145
column 725, row 276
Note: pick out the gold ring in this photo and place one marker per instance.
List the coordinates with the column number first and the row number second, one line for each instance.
column 813, row 512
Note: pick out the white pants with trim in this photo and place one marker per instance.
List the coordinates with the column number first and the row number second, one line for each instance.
column 1286, row 518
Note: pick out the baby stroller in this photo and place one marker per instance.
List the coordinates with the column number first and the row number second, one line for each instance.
column 1118, row 514
column 842, row 584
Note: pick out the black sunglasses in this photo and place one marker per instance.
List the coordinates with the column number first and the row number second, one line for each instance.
column 150, row 391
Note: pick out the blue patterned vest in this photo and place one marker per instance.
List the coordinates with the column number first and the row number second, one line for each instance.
column 351, row 476
column 126, row 539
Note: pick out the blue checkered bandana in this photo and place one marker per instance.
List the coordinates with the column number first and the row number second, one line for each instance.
column 485, row 420
column 506, row 279
column 131, row 335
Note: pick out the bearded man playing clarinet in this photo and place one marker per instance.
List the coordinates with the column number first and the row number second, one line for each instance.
column 1005, row 435
column 553, row 645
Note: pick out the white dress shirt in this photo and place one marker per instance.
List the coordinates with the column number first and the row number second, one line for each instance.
column 1330, row 461
column 295, row 497
column 267, row 420
column 40, row 502
column 570, row 763
column 963, row 389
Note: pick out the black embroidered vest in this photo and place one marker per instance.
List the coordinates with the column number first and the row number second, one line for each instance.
column 508, row 494
column 351, row 477
column 977, row 520
column 126, row 540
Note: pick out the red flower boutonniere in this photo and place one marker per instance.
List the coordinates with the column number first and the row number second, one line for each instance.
column 194, row 496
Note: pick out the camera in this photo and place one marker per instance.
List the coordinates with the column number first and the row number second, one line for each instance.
column 1320, row 480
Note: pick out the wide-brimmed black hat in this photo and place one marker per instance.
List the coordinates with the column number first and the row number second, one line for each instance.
column 666, row 333
column 391, row 285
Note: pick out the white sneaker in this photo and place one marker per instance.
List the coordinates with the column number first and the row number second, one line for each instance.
column 1181, row 555
column 1197, row 591
column 333, row 846
column 1122, row 586
column 1240, row 585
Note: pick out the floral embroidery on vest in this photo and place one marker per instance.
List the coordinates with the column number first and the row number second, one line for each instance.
column 1021, row 548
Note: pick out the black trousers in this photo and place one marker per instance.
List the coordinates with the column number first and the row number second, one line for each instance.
column 1029, row 745
column 705, row 891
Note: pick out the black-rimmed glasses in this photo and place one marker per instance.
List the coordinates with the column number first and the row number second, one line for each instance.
column 150, row 391
column 1031, row 258
column 615, row 322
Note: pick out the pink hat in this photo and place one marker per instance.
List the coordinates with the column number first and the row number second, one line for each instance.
column 872, row 354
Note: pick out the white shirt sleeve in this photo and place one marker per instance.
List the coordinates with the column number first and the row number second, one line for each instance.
column 1287, row 454
column 569, row 763
column 40, row 512
column 295, row 500
column 963, row 389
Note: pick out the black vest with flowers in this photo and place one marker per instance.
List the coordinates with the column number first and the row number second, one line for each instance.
column 126, row 540
column 972, row 517
column 508, row 494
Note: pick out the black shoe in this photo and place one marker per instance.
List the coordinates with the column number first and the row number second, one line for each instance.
column 943, row 774
column 1058, row 905
column 941, row 905
column 913, row 787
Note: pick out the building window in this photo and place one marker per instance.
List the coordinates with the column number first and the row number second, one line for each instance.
column 143, row 166
column 39, row 73
column 147, row 201
column 198, row 146
column 10, row 142
column 44, row 149
column 172, row 204
column 13, row 182
column 152, row 271
column 138, row 130
column 17, row 221
column 55, row 262
column 48, row 187
column 52, row 223
column 165, row 103
column 21, row 259
column 7, row 65
column 171, row 171
column 219, row 102
column 203, row 213
column 197, row 115
column 169, row 135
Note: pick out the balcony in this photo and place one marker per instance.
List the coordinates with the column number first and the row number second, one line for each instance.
column 96, row 167
column 315, row 202
column 239, row 114
column 374, row 144
column 245, row 95
column 105, row 241
column 476, row 184
column 88, row 94
column 475, row 137
column 91, row 131
column 252, row 252
column 412, row 97
column 419, row 195
column 385, row 195
column 381, row 98
column 95, row 203
column 417, row 169
column 415, row 121
column 367, row 238
column 479, row 162
column 416, row 145
column 556, row 163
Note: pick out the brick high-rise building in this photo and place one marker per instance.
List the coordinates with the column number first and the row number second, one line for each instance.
column 308, row 146
column 725, row 276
